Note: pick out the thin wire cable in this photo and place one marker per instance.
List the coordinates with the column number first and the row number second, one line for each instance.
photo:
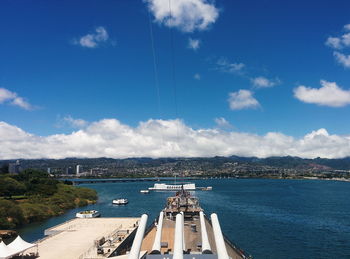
column 155, row 69
column 173, row 62
column 172, row 50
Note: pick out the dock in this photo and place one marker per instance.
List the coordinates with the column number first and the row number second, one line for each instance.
column 82, row 238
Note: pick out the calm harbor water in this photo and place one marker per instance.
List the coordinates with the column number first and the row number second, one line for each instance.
column 266, row 218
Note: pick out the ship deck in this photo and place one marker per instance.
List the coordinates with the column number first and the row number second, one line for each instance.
column 192, row 238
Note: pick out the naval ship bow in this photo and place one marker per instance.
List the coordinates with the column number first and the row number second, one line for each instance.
column 182, row 231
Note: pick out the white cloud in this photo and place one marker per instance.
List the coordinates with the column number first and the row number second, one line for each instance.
column 330, row 94
column 223, row 123
column 342, row 59
column 111, row 138
column 20, row 102
column 334, row 42
column 6, row 96
column 193, row 43
column 243, row 99
column 94, row 39
column 185, row 15
column 346, row 39
column 75, row 123
column 263, row 82
column 340, row 42
column 197, row 76
column 225, row 66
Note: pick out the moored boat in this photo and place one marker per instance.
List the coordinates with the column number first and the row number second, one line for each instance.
column 88, row 214
column 173, row 187
column 120, row 201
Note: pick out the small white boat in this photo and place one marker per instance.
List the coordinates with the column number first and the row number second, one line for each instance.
column 120, row 201
column 87, row 214
column 144, row 191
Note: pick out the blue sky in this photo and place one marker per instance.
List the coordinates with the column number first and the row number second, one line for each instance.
column 240, row 67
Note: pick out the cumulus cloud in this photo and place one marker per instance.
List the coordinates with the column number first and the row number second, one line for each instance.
column 243, row 99
column 342, row 59
column 185, row 15
column 263, row 82
column 111, row 138
column 6, row 96
column 193, row 44
column 223, row 123
column 330, row 94
column 75, row 123
column 341, row 43
column 334, row 42
column 69, row 122
column 225, row 66
column 93, row 40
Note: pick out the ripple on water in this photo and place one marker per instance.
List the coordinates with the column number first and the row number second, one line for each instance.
column 267, row 218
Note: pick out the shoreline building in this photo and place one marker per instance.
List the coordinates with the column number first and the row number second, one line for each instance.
column 78, row 169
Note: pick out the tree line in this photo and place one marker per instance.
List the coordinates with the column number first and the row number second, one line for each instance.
column 33, row 196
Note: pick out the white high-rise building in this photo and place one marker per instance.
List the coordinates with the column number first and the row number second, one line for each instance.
column 78, row 169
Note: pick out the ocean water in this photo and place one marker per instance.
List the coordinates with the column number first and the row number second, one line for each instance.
column 266, row 218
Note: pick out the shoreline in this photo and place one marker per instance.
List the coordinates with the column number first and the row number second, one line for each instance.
column 80, row 181
column 328, row 179
column 196, row 178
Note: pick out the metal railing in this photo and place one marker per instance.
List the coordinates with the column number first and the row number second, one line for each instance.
column 90, row 253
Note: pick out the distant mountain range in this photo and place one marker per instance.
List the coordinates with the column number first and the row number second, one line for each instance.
column 287, row 162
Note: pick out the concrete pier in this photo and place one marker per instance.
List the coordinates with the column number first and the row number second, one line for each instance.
column 79, row 238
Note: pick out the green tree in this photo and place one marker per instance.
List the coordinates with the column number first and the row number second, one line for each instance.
column 4, row 169
column 11, row 215
column 86, row 193
column 32, row 174
column 34, row 212
column 38, row 182
column 9, row 187
column 45, row 197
